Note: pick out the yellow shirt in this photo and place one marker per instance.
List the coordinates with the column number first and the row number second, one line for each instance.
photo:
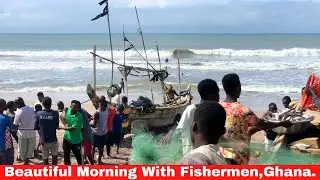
column 126, row 112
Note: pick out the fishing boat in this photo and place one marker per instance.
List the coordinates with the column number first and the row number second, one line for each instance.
column 159, row 115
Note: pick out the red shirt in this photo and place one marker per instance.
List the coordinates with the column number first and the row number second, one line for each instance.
column 111, row 113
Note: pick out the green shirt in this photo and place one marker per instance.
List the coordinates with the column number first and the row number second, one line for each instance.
column 74, row 136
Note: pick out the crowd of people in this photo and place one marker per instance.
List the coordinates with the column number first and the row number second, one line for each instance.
column 220, row 133
column 217, row 132
column 83, row 132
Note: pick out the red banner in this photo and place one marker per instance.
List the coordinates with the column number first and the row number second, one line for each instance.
column 159, row 172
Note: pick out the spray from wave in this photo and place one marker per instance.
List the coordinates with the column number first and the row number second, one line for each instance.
column 293, row 52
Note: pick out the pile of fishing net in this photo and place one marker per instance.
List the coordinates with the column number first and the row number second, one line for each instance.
column 149, row 149
column 144, row 103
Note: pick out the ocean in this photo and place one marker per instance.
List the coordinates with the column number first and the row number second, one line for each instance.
column 270, row 66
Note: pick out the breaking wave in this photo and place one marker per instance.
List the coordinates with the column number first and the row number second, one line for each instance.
column 292, row 52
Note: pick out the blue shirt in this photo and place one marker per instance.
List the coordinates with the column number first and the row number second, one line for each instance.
column 5, row 133
column 117, row 122
column 47, row 122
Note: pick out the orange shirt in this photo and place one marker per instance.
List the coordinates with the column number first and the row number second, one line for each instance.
column 111, row 113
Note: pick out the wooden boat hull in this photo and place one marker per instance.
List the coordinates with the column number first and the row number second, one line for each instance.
column 162, row 115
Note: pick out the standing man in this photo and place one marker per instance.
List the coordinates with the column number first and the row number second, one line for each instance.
column 87, row 135
column 122, row 85
column 117, row 127
column 40, row 96
column 111, row 114
column 209, row 91
column 24, row 119
column 47, row 122
column 62, row 112
column 99, row 128
column 11, row 108
column 6, row 145
column 126, row 112
column 73, row 134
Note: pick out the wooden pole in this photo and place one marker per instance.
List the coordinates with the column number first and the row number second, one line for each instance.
column 159, row 56
column 110, row 39
column 145, row 52
column 124, row 62
column 162, row 83
column 94, row 68
column 179, row 73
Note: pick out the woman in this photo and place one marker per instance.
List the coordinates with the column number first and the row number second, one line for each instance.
column 241, row 122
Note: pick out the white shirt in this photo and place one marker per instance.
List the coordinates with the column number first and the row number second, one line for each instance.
column 117, row 99
column 25, row 119
column 185, row 125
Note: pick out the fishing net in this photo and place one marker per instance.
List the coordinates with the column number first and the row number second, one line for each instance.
column 282, row 156
column 149, row 148
column 144, row 103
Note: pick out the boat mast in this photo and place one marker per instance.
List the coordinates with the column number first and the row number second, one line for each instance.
column 159, row 56
column 145, row 52
column 110, row 39
column 161, row 80
column 179, row 71
column 124, row 61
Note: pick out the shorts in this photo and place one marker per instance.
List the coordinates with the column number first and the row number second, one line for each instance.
column 87, row 148
column 117, row 137
column 99, row 141
column 7, row 157
column 109, row 141
column 52, row 147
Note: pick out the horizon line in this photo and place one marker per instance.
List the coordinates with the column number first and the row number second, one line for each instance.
column 162, row 33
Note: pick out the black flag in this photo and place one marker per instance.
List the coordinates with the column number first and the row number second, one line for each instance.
column 105, row 12
column 99, row 16
column 102, row 2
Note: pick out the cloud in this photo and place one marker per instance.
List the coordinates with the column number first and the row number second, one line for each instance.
column 208, row 16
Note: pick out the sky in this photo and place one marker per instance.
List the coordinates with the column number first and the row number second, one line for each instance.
column 161, row 16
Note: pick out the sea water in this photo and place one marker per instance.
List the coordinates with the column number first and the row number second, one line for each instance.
column 270, row 65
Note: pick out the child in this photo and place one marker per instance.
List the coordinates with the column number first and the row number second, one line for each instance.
column 117, row 126
column 270, row 135
column 38, row 108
